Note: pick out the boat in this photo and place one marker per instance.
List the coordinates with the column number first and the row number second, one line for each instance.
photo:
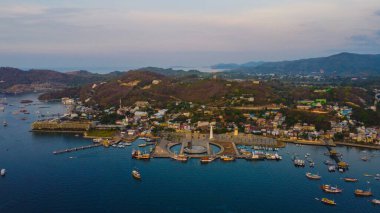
column 227, row 158
column 136, row 174
column 2, row 172
column 311, row 164
column 5, row 123
column 367, row 175
column 328, row 201
column 362, row 193
column 365, row 158
column 180, row 157
column 26, row 101
column 97, row 140
column 128, row 144
column 375, row 201
column 255, row 156
column 347, row 179
column 142, row 145
column 313, row 176
column 277, row 156
column 332, row 168
column 299, row 163
column 330, row 189
column 207, row 159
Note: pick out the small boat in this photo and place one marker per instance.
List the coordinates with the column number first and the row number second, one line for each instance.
column 330, row 189
column 375, row 201
column 332, row 168
column 328, row 201
column 128, row 144
column 227, row 158
column 142, row 145
column 207, row 159
column 311, row 164
column 367, row 175
column 347, row 179
column 2, row 172
column 5, row 123
column 365, row 158
column 299, row 163
column 180, row 157
column 313, row 176
column 97, row 140
column 136, row 174
column 362, row 193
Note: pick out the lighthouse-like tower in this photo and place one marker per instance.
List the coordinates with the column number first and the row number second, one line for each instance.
column 211, row 132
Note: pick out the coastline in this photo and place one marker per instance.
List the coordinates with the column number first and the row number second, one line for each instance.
column 340, row 143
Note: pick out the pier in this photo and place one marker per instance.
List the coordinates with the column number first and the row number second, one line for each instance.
column 76, row 149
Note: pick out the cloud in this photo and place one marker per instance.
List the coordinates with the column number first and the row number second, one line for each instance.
column 377, row 12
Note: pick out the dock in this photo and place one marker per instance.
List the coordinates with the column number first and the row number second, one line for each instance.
column 76, row 149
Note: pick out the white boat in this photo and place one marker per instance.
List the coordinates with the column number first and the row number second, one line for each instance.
column 136, row 174
column 2, row 172
column 97, row 140
column 128, row 144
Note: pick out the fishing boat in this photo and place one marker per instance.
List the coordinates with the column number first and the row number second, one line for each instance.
column 331, row 189
column 328, row 201
column 180, row 157
column 227, row 158
column 313, row 176
column 2, row 172
column 362, row 193
column 136, row 174
column 347, row 179
column 375, row 201
column 207, row 159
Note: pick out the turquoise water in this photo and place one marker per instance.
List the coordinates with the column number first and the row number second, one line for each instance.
column 99, row 180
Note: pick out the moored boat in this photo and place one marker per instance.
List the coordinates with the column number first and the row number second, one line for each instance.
column 142, row 145
column 180, row 157
column 313, row 176
column 363, row 193
column 227, row 158
column 375, row 201
column 299, row 163
column 330, row 189
column 207, row 159
column 136, row 174
column 328, row 201
column 347, row 179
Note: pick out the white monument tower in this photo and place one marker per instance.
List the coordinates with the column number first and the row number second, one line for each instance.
column 211, row 132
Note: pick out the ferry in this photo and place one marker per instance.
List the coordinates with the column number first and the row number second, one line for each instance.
column 180, row 157
column 375, row 201
column 136, row 174
column 313, row 176
column 227, row 158
column 328, row 201
column 2, row 172
column 330, row 189
column 207, row 159
column 347, row 179
column 362, row 193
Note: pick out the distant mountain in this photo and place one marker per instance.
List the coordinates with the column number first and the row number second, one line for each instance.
column 342, row 64
column 174, row 73
column 13, row 78
column 236, row 66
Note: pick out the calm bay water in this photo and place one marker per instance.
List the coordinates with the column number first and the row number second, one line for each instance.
column 99, row 180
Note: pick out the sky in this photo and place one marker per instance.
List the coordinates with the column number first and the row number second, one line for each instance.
column 193, row 33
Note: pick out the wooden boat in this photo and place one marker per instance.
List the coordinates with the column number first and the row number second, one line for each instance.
column 330, row 189
column 136, row 174
column 207, row 159
column 362, row 193
column 313, row 176
column 347, row 179
column 227, row 158
column 328, row 201
column 375, row 201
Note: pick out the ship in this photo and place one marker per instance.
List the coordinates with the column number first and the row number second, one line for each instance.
column 313, row 176
column 330, row 189
column 328, row 201
column 136, row 174
column 207, row 159
column 227, row 158
column 347, row 179
column 362, row 193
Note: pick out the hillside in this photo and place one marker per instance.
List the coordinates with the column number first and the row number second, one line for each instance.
column 343, row 64
column 13, row 78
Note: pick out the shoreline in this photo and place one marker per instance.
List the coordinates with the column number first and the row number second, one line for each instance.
column 340, row 143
